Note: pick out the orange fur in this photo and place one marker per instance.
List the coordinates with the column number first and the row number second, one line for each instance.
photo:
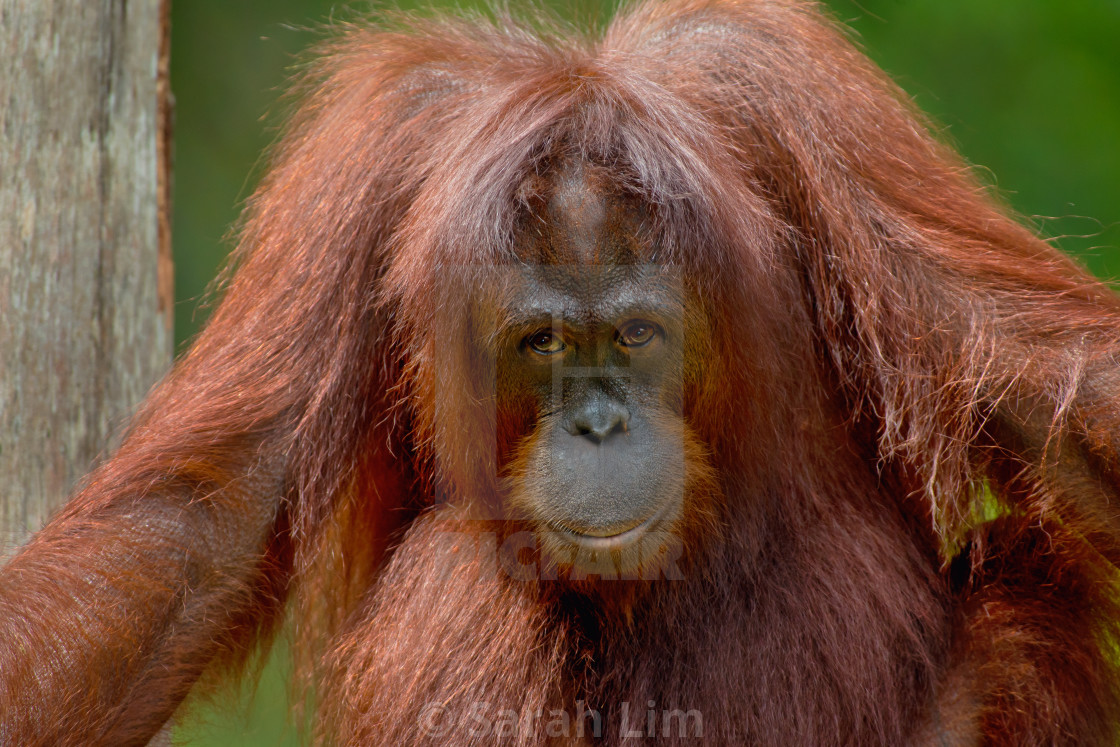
column 882, row 355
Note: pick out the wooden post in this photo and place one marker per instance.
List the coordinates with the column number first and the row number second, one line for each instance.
column 85, row 264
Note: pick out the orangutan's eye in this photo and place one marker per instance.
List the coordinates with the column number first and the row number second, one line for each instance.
column 637, row 333
column 545, row 342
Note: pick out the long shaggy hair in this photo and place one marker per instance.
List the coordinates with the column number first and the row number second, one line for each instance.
column 904, row 411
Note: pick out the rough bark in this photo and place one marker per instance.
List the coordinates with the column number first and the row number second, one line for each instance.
column 85, row 265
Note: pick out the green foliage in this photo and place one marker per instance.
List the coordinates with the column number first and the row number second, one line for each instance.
column 257, row 715
column 1029, row 91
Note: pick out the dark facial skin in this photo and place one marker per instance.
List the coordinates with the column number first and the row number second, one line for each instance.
column 591, row 349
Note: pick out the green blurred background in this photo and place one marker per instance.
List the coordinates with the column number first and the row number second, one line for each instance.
column 1029, row 90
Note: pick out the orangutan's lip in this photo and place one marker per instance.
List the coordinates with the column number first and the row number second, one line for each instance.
column 606, row 543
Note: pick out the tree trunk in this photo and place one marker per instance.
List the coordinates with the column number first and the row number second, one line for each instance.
column 85, row 265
